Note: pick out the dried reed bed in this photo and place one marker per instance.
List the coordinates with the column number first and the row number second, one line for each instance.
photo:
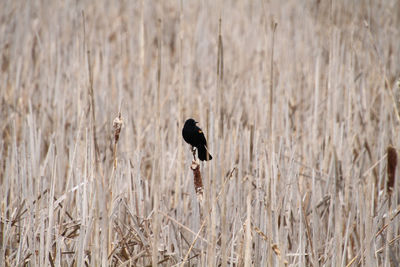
column 307, row 186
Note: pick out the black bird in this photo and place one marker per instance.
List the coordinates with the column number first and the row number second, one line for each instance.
column 194, row 136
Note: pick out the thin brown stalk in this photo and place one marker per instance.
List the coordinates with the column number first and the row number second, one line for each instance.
column 90, row 90
column 220, row 78
column 271, row 82
column 381, row 63
column 308, row 231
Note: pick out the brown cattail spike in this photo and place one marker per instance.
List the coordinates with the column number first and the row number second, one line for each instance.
column 391, row 168
column 117, row 126
column 198, row 182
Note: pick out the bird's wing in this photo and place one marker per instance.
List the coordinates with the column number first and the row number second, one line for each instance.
column 202, row 137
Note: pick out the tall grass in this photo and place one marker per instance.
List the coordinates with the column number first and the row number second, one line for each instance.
column 298, row 116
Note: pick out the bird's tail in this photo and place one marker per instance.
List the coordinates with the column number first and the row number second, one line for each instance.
column 202, row 152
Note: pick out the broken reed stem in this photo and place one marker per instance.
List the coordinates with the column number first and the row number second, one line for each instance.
column 391, row 242
column 387, row 224
column 361, row 253
column 274, row 246
column 117, row 125
column 229, row 176
column 308, row 232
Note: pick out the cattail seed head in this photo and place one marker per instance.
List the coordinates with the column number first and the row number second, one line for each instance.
column 391, row 168
column 117, row 126
column 197, row 180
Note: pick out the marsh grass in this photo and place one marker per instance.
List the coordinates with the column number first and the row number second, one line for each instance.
column 298, row 116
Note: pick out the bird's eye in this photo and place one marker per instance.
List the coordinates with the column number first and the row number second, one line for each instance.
column 200, row 131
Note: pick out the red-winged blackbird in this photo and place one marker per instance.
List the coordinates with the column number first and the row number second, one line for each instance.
column 194, row 136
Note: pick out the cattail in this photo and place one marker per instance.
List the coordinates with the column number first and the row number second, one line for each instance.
column 391, row 168
column 197, row 180
column 117, row 125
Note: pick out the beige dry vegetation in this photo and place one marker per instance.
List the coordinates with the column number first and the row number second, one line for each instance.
column 299, row 169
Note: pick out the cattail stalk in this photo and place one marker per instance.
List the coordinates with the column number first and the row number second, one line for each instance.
column 229, row 176
column 220, row 78
column 271, row 83
column 90, row 90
